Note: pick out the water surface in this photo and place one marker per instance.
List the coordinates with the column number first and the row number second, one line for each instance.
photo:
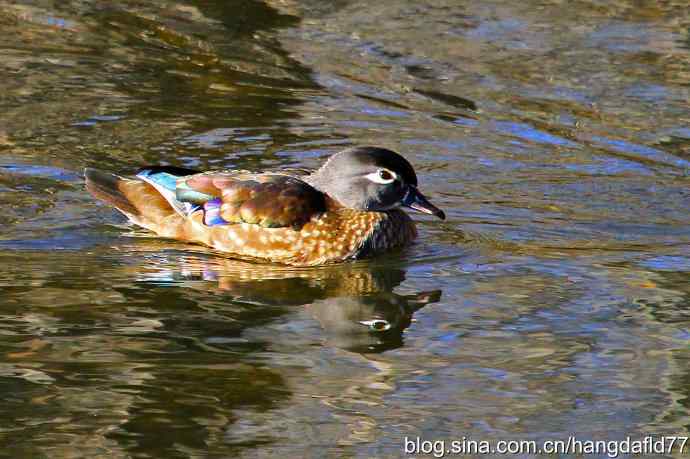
column 553, row 301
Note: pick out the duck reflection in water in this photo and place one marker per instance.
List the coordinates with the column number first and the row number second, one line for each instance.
column 354, row 304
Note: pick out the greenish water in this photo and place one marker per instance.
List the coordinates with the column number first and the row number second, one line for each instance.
column 554, row 301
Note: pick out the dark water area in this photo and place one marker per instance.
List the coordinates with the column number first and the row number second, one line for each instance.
column 553, row 301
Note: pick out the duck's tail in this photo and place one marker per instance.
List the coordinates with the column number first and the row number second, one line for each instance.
column 110, row 188
column 140, row 201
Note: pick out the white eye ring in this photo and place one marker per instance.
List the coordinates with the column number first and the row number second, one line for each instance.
column 376, row 176
column 378, row 325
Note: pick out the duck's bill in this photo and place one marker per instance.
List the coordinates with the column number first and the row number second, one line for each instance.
column 416, row 200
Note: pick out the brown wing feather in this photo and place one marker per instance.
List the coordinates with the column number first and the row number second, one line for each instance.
column 267, row 200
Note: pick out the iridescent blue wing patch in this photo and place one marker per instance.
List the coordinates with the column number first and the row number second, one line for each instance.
column 212, row 213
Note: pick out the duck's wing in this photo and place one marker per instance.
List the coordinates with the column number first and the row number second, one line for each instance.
column 162, row 197
column 270, row 200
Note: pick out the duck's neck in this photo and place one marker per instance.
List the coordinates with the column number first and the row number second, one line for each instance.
column 318, row 180
column 323, row 179
column 327, row 180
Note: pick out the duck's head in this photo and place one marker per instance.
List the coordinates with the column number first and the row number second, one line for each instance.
column 372, row 178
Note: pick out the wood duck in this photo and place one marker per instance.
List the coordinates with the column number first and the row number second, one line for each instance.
column 347, row 209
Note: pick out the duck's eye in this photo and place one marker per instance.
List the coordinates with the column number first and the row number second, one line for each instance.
column 385, row 175
column 382, row 176
column 376, row 325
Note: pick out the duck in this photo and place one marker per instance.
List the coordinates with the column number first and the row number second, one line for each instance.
column 348, row 209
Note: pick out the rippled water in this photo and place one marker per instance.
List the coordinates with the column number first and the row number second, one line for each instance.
column 553, row 301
